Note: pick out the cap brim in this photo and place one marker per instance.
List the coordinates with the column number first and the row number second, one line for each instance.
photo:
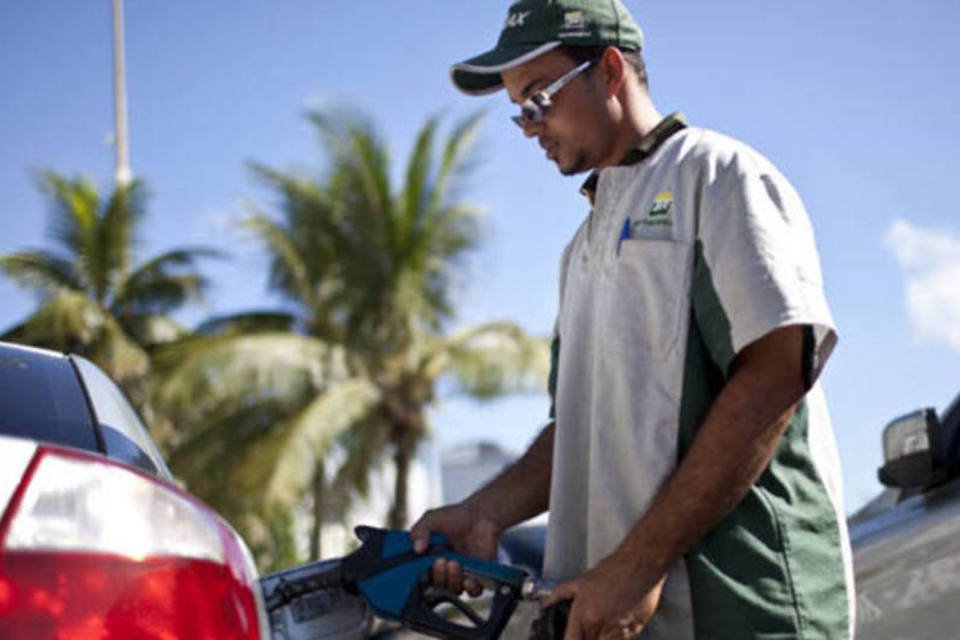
column 481, row 74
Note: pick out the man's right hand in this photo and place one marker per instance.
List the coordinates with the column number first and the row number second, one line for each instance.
column 474, row 526
column 469, row 530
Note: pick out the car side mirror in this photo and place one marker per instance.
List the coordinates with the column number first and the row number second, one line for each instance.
column 910, row 455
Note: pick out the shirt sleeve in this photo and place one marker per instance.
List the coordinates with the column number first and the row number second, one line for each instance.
column 756, row 247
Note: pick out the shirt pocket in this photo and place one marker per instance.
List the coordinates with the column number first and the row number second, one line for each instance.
column 643, row 293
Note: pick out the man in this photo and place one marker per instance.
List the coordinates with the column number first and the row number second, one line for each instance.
column 690, row 472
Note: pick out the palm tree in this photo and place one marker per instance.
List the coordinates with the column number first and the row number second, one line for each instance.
column 369, row 273
column 380, row 266
column 95, row 299
column 256, row 407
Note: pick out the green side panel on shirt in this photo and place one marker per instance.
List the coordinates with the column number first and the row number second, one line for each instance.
column 773, row 567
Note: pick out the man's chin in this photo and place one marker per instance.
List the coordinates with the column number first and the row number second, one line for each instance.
column 578, row 166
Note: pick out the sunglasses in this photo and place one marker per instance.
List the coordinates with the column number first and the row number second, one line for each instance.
column 534, row 108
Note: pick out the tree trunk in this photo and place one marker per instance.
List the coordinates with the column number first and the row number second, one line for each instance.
column 405, row 445
column 319, row 482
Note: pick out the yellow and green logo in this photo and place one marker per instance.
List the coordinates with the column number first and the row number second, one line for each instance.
column 659, row 214
column 661, row 205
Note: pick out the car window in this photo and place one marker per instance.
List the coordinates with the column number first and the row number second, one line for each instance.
column 41, row 399
column 124, row 435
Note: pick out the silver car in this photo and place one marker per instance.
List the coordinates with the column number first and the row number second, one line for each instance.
column 96, row 540
column 906, row 542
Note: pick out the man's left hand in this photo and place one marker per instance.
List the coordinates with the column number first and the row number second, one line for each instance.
column 610, row 602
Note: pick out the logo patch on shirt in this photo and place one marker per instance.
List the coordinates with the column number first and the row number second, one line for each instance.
column 659, row 213
column 661, row 205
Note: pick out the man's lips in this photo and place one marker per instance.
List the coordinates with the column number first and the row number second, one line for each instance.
column 550, row 148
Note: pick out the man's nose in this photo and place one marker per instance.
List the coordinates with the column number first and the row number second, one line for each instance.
column 531, row 129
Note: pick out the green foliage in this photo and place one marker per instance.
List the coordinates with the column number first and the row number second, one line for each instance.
column 93, row 300
column 94, row 297
column 493, row 359
column 271, row 540
column 369, row 272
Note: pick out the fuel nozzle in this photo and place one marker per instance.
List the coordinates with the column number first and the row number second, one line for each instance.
column 551, row 624
column 536, row 590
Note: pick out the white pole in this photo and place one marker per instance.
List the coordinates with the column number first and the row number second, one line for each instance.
column 123, row 175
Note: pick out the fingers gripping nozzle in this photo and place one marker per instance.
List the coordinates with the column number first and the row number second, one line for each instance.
column 394, row 580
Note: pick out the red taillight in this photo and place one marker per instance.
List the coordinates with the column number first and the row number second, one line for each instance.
column 90, row 549
column 80, row 596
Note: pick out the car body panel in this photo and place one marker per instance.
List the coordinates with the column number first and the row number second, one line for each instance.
column 87, row 502
column 906, row 553
column 41, row 398
column 66, row 400
column 907, row 565
column 122, row 433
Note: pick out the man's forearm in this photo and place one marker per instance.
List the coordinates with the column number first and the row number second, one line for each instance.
column 522, row 490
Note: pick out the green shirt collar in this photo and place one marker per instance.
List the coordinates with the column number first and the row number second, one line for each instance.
column 644, row 149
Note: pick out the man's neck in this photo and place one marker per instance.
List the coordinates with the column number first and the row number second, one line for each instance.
column 640, row 117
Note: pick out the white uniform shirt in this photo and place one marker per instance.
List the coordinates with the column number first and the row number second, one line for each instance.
column 705, row 228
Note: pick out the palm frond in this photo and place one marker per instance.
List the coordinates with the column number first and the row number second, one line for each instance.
column 365, row 173
column 290, row 272
column 359, row 177
column 455, row 162
column 40, row 270
column 158, row 268
column 363, row 446
column 120, row 355
column 14, row 333
column 211, row 447
column 110, row 252
column 307, row 248
column 247, row 322
column 161, row 294
column 163, row 283
column 492, row 359
column 67, row 321
column 284, row 461
column 198, row 376
column 153, row 329
column 454, row 231
column 74, row 212
column 416, row 186
column 214, row 444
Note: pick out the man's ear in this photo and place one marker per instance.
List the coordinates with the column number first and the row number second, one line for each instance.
column 612, row 70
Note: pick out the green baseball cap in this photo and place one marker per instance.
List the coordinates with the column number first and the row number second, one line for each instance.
column 534, row 27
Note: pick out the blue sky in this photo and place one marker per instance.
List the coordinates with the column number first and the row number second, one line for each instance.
column 853, row 101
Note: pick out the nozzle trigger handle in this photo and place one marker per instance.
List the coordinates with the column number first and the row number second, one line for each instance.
column 395, row 582
column 395, row 543
column 507, row 584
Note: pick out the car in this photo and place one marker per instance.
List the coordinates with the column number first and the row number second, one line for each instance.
column 906, row 541
column 96, row 538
